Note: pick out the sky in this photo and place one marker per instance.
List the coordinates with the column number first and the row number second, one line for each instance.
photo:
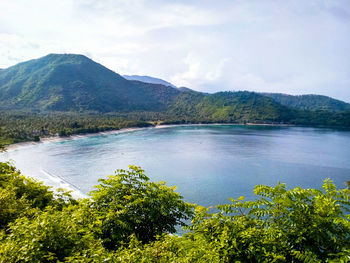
column 286, row 46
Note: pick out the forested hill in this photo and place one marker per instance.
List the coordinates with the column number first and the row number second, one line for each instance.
column 309, row 102
column 241, row 106
column 76, row 83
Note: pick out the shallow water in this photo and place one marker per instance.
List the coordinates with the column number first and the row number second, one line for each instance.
column 208, row 163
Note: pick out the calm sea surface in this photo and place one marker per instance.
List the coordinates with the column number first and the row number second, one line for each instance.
column 209, row 164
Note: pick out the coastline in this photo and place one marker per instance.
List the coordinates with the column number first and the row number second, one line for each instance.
column 56, row 138
column 223, row 124
column 56, row 181
column 53, row 180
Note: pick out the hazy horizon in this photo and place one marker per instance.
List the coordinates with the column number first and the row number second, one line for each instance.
column 295, row 47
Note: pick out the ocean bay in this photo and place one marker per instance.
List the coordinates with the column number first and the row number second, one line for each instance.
column 208, row 163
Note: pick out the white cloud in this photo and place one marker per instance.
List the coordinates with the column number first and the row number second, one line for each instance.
column 263, row 45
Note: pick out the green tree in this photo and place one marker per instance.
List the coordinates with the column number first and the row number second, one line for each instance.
column 297, row 225
column 50, row 236
column 128, row 218
column 20, row 194
column 11, row 207
column 127, row 203
column 169, row 248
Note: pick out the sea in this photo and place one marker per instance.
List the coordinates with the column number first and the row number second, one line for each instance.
column 208, row 163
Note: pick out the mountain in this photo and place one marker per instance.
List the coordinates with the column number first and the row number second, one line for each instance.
column 148, row 79
column 75, row 83
column 309, row 102
column 68, row 82
column 241, row 106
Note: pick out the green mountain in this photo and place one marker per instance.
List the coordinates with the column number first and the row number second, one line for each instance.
column 241, row 106
column 76, row 83
column 309, row 102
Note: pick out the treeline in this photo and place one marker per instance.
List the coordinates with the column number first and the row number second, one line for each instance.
column 248, row 107
column 339, row 119
column 191, row 107
column 309, row 102
column 128, row 218
column 24, row 126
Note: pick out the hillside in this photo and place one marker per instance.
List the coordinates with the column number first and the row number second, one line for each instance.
column 71, row 82
column 309, row 102
column 76, row 83
column 241, row 106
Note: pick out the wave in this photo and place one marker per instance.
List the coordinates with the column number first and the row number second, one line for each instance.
column 58, row 181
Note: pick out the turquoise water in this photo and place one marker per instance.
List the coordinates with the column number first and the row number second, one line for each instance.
column 209, row 164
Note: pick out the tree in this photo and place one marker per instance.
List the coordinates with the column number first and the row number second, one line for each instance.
column 36, row 192
column 49, row 236
column 127, row 203
column 128, row 218
column 20, row 194
column 307, row 225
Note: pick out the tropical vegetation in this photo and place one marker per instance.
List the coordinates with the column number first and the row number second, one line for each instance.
column 128, row 218
column 64, row 94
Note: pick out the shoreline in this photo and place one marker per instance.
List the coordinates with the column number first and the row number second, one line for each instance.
column 57, row 138
column 224, row 124
column 15, row 146
column 56, row 181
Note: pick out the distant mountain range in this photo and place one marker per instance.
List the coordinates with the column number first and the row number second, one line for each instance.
column 68, row 82
column 148, row 79
column 304, row 102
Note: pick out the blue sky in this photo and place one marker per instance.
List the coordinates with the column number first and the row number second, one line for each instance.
column 288, row 46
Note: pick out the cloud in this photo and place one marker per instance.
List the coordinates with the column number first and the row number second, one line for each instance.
column 263, row 45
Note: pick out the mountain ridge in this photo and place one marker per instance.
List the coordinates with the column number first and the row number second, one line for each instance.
column 75, row 83
column 309, row 101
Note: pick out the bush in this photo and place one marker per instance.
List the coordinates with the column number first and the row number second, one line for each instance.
column 19, row 194
column 128, row 219
column 51, row 236
column 127, row 203
column 281, row 226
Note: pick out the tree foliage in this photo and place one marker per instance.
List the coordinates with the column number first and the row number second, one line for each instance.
column 128, row 218
column 127, row 203
column 19, row 194
column 309, row 102
column 48, row 236
column 307, row 225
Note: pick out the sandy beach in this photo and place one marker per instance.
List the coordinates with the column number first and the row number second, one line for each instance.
column 16, row 146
